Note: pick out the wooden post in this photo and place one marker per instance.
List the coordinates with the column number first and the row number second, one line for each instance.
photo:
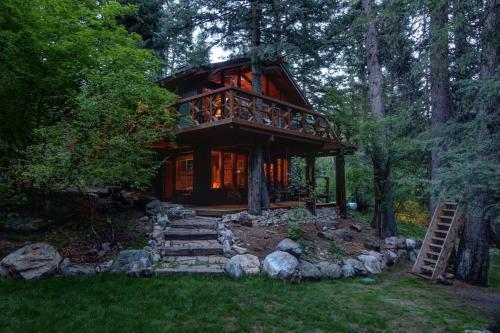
column 311, row 182
column 340, row 184
column 255, row 180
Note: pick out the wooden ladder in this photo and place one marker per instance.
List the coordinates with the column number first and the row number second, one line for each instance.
column 446, row 224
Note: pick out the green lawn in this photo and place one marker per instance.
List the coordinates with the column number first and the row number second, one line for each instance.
column 109, row 303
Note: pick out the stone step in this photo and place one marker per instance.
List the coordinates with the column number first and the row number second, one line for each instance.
column 195, row 270
column 190, row 234
column 194, row 224
column 192, row 248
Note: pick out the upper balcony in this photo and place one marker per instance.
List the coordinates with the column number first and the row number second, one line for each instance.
column 235, row 105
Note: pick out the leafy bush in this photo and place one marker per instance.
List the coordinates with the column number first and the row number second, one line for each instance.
column 336, row 250
column 294, row 231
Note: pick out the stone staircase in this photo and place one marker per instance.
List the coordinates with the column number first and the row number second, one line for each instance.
column 191, row 246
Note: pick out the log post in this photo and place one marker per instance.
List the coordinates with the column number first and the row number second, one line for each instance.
column 311, row 182
column 340, row 184
column 255, row 180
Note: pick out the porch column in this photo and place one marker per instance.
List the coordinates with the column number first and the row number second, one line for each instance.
column 340, row 184
column 255, row 179
column 311, row 182
column 201, row 175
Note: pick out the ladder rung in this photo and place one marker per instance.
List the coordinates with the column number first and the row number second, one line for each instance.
column 438, row 239
column 446, row 217
column 432, row 261
column 433, row 253
column 451, row 203
column 449, row 210
column 428, row 268
column 444, row 224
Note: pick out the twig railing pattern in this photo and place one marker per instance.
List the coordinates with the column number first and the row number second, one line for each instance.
column 233, row 102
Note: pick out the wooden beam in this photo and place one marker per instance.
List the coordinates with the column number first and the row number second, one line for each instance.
column 255, row 180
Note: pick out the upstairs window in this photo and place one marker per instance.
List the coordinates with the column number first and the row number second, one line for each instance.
column 184, row 173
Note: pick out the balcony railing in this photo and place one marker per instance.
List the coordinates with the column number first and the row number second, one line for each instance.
column 233, row 102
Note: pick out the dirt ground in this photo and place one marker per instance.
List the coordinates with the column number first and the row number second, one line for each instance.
column 75, row 239
column 262, row 240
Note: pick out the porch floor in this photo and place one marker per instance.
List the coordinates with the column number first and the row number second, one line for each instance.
column 224, row 209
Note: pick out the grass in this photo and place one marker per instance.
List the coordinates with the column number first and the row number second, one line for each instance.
column 110, row 303
column 405, row 229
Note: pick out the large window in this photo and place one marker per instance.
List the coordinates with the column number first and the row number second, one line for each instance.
column 184, row 173
column 228, row 169
column 277, row 172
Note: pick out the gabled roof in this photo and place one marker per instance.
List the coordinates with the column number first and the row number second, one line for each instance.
column 185, row 72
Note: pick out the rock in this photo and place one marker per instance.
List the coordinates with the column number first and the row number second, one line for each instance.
column 227, row 249
column 152, row 244
column 234, row 269
column 158, row 233
column 348, row 270
column 367, row 281
column 308, row 271
column 402, row 254
column 371, row 244
column 412, row 255
column 224, row 234
column 442, row 280
column 380, row 257
column 67, row 268
column 17, row 223
column 329, row 270
column 449, row 276
column 156, row 257
column 418, row 244
column 290, row 246
column 249, row 263
column 372, row 264
column 175, row 212
column 325, row 225
column 354, row 265
column 133, row 262
column 281, row 265
column 3, row 272
column 391, row 242
column 104, row 267
column 410, row 243
column 154, row 207
column 32, row 261
column 344, row 234
column 239, row 249
column 162, row 219
column 144, row 219
column 327, row 234
column 390, row 257
column 106, row 247
column 356, row 226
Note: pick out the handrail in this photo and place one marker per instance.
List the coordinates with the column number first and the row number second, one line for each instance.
column 234, row 102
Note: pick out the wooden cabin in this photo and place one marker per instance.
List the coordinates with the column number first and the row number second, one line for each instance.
column 221, row 119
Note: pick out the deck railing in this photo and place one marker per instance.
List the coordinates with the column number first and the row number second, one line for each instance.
column 233, row 102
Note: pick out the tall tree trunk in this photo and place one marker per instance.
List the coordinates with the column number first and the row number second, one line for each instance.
column 255, row 180
column 473, row 251
column 439, row 85
column 383, row 218
column 263, row 195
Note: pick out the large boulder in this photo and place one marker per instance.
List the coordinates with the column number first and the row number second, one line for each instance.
column 290, row 246
column 390, row 257
column 234, row 269
column 133, row 262
column 281, row 265
column 32, row 261
column 372, row 264
column 309, row 271
column 353, row 267
column 67, row 268
column 154, row 208
column 329, row 270
column 249, row 263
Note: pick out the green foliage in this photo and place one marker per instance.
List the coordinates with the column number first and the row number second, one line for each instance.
column 293, row 231
column 77, row 97
column 337, row 251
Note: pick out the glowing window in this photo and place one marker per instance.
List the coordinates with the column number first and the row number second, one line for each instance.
column 216, row 168
column 241, row 170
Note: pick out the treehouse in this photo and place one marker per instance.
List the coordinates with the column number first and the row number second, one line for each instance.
column 221, row 120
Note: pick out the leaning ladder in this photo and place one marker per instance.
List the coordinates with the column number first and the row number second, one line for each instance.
column 447, row 222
